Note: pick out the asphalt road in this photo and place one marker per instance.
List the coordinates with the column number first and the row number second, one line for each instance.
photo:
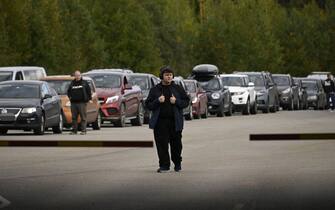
column 222, row 169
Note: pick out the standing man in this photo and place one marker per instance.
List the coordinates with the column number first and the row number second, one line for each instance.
column 79, row 93
column 167, row 101
column 329, row 88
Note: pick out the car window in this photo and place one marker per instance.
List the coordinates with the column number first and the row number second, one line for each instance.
column 19, row 75
column 233, row 81
column 90, row 83
column 34, row 74
column 141, row 81
column 281, row 80
column 191, row 87
column 6, row 75
column 19, row 91
column 310, row 85
column 213, row 84
column 60, row 86
column 106, row 80
column 257, row 80
column 44, row 90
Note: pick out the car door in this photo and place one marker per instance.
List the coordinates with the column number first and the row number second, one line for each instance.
column 202, row 97
column 91, row 107
column 271, row 89
column 226, row 95
column 49, row 105
column 130, row 98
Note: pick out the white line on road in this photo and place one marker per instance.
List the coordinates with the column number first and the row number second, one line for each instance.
column 4, row 202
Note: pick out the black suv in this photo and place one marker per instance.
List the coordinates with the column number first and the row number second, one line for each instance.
column 266, row 91
column 219, row 97
column 288, row 91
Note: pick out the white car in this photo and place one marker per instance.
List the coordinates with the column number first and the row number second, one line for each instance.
column 242, row 92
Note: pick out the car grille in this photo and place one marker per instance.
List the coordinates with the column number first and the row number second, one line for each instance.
column 14, row 111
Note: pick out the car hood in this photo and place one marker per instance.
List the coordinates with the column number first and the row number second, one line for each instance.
column 236, row 89
column 257, row 88
column 107, row 92
column 19, row 103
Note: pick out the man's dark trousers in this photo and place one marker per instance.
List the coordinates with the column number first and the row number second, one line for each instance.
column 79, row 108
column 332, row 97
column 165, row 133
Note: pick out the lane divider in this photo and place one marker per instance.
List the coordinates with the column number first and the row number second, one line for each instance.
column 72, row 143
column 293, row 136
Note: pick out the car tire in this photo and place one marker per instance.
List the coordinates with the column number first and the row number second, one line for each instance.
column 205, row 115
column 59, row 127
column 254, row 108
column 230, row 110
column 96, row 125
column 220, row 113
column 122, row 121
column 41, row 129
column 3, row 131
column 246, row 108
column 147, row 119
column 139, row 120
column 189, row 116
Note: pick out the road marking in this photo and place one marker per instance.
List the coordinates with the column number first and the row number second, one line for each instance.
column 292, row 136
column 3, row 202
column 72, row 143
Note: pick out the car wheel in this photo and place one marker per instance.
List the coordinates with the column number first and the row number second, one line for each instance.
column 3, row 131
column 41, row 129
column 220, row 113
column 267, row 108
column 291, row 105
column 246, row 109
column 96, row 125
column 59, row 127
column 189, row 116
column 230, row 110
column 138, row 121
column 254, row 108
column 122, row 121
column 205, row 115
column 147, row 118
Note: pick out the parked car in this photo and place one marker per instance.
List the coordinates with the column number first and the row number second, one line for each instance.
column 21, row 73
column 242, row 92
column 316, row 96
column 198, row 98
column 320, row 75
column 288, row 91
column 145, row 82
column 26, row 105
column 119, row 100
column 219, row 98
column 266, row 91
column 302, row 93
column 188, row 111
column 61, row 84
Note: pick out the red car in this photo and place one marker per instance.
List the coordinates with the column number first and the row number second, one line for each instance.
column 120, row 101
column 199, row 99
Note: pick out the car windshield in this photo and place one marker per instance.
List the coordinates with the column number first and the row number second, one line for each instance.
column 210, row 85
column 6, row 75
column 19, row 91
column 233, row 81
column 190, row 86
column 106, row 80
column 141, row 81
column 281, row 80
column 309, row 85
column 257, row 80
column 60, row 86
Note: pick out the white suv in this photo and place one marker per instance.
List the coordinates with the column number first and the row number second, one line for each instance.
column 21, row 73
column 242, row 92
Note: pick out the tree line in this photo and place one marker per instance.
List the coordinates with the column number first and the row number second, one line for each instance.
column 281, row 36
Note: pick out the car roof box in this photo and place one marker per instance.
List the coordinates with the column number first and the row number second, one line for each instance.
column 204, row 70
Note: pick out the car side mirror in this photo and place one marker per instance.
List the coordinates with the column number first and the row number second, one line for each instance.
column 251, row 84
column 47, row 96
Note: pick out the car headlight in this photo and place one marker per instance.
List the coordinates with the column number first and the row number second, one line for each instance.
column 215, row 95
column 195, row 99
column 28, row 110
column 68, row 104
column 112, row 99
column 286, row 91
column 312, row 97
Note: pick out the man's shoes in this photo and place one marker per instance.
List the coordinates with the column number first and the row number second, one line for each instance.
column 73, row 132
column 163, row 170
column 177, row 168
column 83, row 133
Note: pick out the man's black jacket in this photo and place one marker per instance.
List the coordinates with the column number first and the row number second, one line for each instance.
column 79, row 91
column 153, row 104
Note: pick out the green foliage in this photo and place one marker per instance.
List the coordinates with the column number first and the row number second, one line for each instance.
column 64, row 35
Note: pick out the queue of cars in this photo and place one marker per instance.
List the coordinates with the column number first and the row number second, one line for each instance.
column 32, row 101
